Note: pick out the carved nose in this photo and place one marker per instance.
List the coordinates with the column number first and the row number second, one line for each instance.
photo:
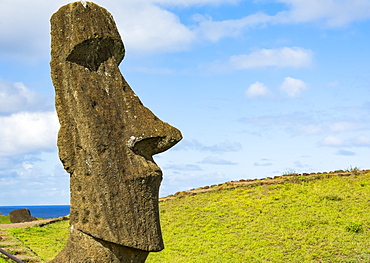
column 147, row 146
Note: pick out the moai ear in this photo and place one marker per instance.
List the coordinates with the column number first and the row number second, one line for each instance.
column 95, row 51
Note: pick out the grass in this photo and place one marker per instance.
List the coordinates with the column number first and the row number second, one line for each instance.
column 326, row 220
column 45, row 241
column 317, row 221
column 5, row 220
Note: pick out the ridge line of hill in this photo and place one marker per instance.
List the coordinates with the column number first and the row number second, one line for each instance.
column 286, row 178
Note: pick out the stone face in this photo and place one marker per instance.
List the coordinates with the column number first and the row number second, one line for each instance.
column 21, row 215
column 107, row 137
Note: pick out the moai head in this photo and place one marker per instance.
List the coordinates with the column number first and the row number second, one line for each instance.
column 107, row 137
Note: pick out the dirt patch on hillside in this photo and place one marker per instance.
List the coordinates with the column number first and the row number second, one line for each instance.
column 34, row 223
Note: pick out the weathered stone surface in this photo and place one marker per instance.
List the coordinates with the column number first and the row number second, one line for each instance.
column 87, row 249
column 106, row 140
column 21, row 215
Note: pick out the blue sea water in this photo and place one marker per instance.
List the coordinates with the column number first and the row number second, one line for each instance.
column 40, row 211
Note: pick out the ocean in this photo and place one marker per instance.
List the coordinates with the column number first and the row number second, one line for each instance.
column 40, row 211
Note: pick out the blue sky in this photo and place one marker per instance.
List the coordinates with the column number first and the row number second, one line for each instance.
column 258, row 88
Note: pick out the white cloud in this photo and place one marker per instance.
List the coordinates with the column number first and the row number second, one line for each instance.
column 257, row 89
column 343, row 126
column 226, row 146
column 146, row 25
column 358, row 141
column 17, row 97
column 310, row 129
column 334, row 13
column 337, row 127
column 193, row 2
column 314, row 123
column 34, row 183
column 149, row 28
column 293, row 87
column 361, row 141
column 216, row 30
column 169, row 34
column 217, row 161
column 25, row 33
column 294, row 57
column 287, row 120
column 184, row 167
column 24, row 133
column 188, row 145
column 331, row 13
column 263, row 164
column 332, row 141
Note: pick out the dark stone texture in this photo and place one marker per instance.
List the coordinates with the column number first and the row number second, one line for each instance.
column 106, row 141
column 84, row 248
column 21, row 215
column 93, row 52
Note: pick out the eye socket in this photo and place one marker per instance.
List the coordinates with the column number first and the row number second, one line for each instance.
column 95, row 51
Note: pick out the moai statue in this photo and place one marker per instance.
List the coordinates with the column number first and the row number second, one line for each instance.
column 106, row 142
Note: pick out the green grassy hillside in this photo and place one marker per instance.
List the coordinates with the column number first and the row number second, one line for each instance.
column 324, row 220
column 4, row 220
column 300, row 220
